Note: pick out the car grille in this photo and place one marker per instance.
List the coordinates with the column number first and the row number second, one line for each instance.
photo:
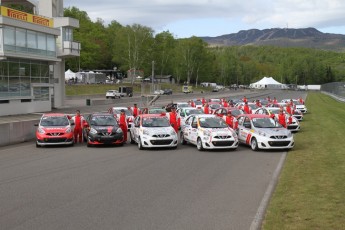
column 278, row 143
column 161, row 142
column 222, row 143
column 279, row 137
column 54, row 134
column 54, row 140
column 292, row 126
column 106, row 134
column 160, row 135
column 222, row 137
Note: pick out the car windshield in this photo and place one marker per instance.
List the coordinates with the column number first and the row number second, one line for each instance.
column 127, row 112
column 264, row 123
column 236, row 112
column 155, row 122
column 215, row 106
column 253, row 106
column 198, row 102
column 54, row 121
column 156, row 111
column 297, row 103
column 103, row 121
column 183, row 105
column 212, row 122
column 193, row 111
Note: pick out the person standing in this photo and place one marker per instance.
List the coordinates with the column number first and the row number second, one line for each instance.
column 246, row 108
column 123, row 124
column 206, row 108
column 282, row 118
column 78, row 126
column 203, row 101
column 135, row 110
column 225, row 103
column 231, row 120
column 192, row 103
column 245, row 99
column 174, row 119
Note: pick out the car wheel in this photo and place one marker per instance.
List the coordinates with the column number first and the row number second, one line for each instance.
column 106, row 97
column 182, row 140
column 254, row 144
column 199, row 144
column 132, row 139
column 140, row 145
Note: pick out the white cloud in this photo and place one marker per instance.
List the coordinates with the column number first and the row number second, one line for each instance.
column 231, row 14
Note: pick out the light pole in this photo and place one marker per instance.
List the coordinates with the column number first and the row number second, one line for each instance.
column 153, row 73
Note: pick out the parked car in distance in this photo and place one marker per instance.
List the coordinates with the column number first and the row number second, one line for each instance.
column 260, row 131
column 54, row 129
column 158, row 92
column 208, row 131
column 112, row 94
column 167, row 91
column 153, row 131
column 116, row 111
column 102, row 128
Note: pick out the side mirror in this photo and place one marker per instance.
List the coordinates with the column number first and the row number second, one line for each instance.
column 36, row 124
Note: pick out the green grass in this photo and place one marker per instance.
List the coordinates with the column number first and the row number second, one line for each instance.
column 311, row 190
column 92, row 89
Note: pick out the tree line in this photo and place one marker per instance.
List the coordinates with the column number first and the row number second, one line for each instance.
column 192, row 60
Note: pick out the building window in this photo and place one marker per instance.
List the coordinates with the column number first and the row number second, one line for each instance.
column 21, row 40
column 67, row 34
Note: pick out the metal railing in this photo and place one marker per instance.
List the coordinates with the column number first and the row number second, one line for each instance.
column 335, row 89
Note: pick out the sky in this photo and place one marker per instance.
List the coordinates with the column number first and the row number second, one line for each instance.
column 186, row 18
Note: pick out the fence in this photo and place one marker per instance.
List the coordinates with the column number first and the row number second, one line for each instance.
column 335, row 89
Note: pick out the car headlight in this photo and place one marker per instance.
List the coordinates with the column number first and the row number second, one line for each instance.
column 289, row 134
column 146, row 132
column 207, row 132
column 40, row 130
column 68, row 130
column 93, row 131
column 262, row 133
column 172, row 132
column 119, row 130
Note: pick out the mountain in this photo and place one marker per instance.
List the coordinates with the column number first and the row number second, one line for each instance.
column 307, row 37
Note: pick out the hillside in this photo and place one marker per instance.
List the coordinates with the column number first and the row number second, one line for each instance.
column 307, row 37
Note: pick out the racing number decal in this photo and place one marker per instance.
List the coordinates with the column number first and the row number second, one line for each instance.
column 248, row 138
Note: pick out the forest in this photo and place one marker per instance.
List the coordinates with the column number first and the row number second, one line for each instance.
column 191, row 60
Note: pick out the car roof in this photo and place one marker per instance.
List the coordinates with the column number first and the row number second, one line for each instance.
column 151, row 115
column 53, row 115
column 125, row 108
column 251, row 116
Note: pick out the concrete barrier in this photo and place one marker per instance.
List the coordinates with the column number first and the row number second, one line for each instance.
column 17, row 132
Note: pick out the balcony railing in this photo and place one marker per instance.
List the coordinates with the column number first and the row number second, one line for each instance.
column 70, row 49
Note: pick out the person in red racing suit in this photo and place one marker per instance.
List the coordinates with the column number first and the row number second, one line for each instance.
column 231, row 120
column 282, row 118
column 135, row 110
column 206, row 108
column 174, row 119
column 246, row 108
column 123, row 124
column 78, row 127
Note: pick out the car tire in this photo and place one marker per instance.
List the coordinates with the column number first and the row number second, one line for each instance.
column 182, row 140
column 254, row 144
column 140, row 145
column 132, row 139
column 106, row 97
column 199, row 144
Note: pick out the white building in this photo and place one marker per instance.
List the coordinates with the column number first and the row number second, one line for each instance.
column 33, row 49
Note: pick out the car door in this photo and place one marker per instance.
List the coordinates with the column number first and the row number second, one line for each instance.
column 135, row 130
column 194, row 130
column 186, row 128
column 244, row 127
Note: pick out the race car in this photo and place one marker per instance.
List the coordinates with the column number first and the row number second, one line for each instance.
column 224, row 111
column 253, row 107
column 186, row 111
column 292, row 123
column 260, row 131
column 207, row 131
column 101, row 129
column 54, row 129
column 297, row 105
column 116, row 111
column 153, row 110
column 153, row 131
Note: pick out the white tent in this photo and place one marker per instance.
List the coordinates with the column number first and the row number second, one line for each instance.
column 267, row 83
column 69, row 74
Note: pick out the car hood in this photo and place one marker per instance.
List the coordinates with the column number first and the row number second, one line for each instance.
column 107, row 129
column 159, row 130
column 275, row 131
column 55, row 129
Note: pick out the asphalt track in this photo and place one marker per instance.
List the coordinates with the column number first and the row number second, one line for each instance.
column 125, row 188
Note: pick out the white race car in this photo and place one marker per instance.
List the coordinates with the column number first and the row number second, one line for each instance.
column 153, row 131
column 263, row 132
column 208, row 131
column 292, row 125
column 298, row 105
column 186, row 111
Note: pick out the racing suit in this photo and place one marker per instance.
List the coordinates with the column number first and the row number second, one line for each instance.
column 231, row 121
column 247, row 109
column 123, row 125
column 78, row 128
column 282, row 119
column 174, row 120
